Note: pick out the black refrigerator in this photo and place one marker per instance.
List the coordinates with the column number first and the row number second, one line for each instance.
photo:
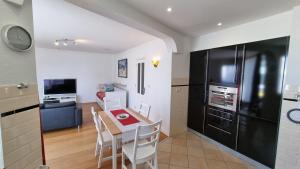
column 260, row 102
column 197, row 90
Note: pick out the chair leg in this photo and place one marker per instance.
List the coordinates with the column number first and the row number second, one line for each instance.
column 97, row 148
column 155, row 162
column 100, row 157
column 123, row 161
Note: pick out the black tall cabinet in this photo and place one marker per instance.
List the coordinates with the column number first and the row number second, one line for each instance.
column 197, row 90
column 224, row 65
column 257, row 70
column 264, row 64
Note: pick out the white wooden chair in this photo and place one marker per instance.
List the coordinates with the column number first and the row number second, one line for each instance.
column 104, row 139
column 145, row 110
column 144, row 148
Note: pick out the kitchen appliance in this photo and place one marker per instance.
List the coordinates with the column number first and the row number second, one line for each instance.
column 260, row 99
column 223, row 97
column 221, row 114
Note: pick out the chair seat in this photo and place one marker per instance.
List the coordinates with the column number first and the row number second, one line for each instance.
column 143, row 153
column 107, row 139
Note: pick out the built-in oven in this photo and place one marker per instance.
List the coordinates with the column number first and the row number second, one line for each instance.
column 221, row 114
column 223, row 97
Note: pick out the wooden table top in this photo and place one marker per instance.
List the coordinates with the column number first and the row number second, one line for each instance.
column 112, row 127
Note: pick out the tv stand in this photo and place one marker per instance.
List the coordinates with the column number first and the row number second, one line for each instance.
column 60, row 98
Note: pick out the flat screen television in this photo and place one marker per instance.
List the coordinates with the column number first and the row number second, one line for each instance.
column 59, row 86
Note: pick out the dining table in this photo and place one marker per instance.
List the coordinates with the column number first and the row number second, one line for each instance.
column 119, row 130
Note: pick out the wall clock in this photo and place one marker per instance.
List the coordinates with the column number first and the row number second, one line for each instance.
column 16, row 38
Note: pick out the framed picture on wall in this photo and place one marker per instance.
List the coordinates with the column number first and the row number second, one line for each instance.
column 122, row 68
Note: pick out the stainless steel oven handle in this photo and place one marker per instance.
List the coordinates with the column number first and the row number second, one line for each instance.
column 219, row 117
column 219, row 129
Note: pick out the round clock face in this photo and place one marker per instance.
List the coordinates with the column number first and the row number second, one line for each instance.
column 17, row 38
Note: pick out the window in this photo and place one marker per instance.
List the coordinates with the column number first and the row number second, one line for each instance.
column 141, row 78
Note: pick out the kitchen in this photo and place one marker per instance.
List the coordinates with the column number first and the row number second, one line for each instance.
column 235, row 97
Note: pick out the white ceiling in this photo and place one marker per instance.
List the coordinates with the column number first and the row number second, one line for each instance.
column 57, row 19
column 197, row 17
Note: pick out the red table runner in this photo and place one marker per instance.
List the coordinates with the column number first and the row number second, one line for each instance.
column 128, row 121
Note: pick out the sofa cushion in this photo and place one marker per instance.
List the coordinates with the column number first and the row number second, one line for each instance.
column 109, row 87
column 102, row 88
column 106, row 88
column 101, row 95
column 57, row 105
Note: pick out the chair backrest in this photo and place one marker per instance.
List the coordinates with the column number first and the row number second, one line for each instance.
column 145, row 110
column 147, row 136
column 98, row 124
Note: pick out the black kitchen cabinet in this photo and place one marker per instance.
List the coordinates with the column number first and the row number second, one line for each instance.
column 257, row 70
column 198, row 64
column 264, row 65
column 197, row 90
column 223, row 65
column 257, row 139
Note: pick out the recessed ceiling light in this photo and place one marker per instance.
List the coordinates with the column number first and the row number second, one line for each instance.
column 220, row 24
column 56, row 43
column 169, row 9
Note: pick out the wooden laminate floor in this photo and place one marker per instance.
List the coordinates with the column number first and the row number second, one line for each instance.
column 73, row 149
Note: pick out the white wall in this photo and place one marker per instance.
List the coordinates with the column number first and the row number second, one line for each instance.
column 157, row 80
column 267, row 28
column 90, row 69
column 288, row 151
column 16, row 67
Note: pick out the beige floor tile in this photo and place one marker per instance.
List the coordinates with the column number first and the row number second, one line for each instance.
column 182, row 135
column 207, row 145
column 197, row 163
column 196, row 152
column 215, row 164
column 167, row 141
column 194, row 143
column 179, row 141
column 230, row 158
column 163, row 157
column 192, row 136
column 232, row 165
column 165, row 147
column 177, row 167
column 213, row 154
column 163, row 166
column 177, row 149
column 179, row 160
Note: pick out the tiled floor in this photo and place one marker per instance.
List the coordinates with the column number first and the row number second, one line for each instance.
column 188, row 151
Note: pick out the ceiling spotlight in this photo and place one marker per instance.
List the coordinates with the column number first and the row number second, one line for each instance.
column 220, row 24
column 169, row 9
column 65, row 42
column 56, row 43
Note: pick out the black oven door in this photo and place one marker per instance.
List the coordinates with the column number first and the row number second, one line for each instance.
column 220, row 126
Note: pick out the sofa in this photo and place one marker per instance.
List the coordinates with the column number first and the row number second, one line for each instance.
column 113, row 99
column 56, row 116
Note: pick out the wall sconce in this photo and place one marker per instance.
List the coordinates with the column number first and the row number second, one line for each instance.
column 155, row 61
